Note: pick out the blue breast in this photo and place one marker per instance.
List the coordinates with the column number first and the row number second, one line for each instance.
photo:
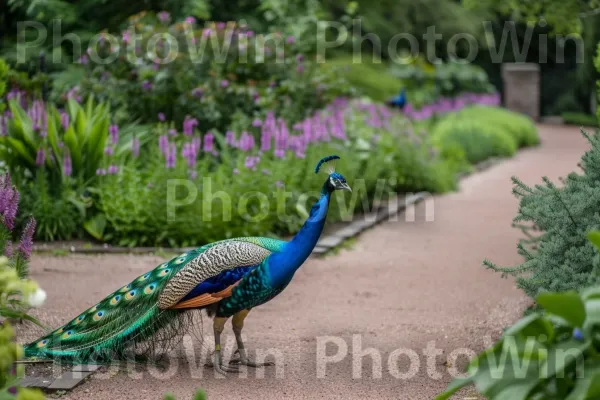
column 219, row 282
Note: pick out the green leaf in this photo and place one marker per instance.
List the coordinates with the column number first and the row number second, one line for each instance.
column 519, row 390
column 95, row 226
column 562, row 356
column 587, row 387
column 594, row 237
column 567, row 305
column 532, row 325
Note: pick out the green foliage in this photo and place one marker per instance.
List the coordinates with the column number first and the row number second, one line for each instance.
column 368, row 78
column 219, row 76
column 559, row 258
column 484, row 132
column 3, row 78
column 550, row 354
column 199, row 395
column 136, row 204
column 580, row 119
column 563, row 16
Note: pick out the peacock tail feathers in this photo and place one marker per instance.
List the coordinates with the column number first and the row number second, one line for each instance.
column 129, row 320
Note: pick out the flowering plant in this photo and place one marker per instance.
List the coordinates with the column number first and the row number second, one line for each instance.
column 213, row 73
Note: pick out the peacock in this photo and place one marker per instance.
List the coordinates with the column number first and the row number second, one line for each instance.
column 226, row 279
column 398, row 101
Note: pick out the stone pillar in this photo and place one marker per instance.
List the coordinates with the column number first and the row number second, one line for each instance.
column 522, row 88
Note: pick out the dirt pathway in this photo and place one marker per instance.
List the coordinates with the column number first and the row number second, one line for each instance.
column 404, row 286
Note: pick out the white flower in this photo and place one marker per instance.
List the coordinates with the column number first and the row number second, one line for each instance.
column 37, row 299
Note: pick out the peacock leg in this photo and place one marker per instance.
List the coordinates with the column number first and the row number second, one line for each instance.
column 218, row 327
column 238, row 323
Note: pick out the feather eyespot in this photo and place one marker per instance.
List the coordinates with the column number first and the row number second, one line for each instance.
column 42, row 343
column 180, row 259
column 163, row 265
column 91, row 310
column 150, row 288
column 79, row 319
column 98, row 315
column 115, row 300
column 59, row 331
column 67, row 334
column 130, row 295
column 164, row 272
column 144, row 277
column 125, row 288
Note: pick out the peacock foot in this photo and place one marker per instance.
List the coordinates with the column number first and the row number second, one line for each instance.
column 242, row 359
column 221, row 368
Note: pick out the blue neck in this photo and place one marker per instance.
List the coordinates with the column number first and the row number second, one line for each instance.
column 283, row 265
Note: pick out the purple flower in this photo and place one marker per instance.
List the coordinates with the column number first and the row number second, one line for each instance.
column 230, row 139
column 135, row 146
column 299, row 58
column 266, row 171
column 251, row 162
column 224, row 83
column 113, row 169
column 172, row 132
column 83, row 59
column 146, row 85
column 171, row 156
column 164, row 17
column 190, row 20
column 9, row 201
column 101, row 171
column 64, row 120
column 197, row 92
column 8, row 249
column 126, row 37
column 161, row 117
column 163, row 144
column 209, row 139
column 114, row 133
column 41, row 157
column 246, row 142
column 188, row 125
column 4, row 125
column 300, row 68
column 67, row 166
column 257, row 123
column 206, row 32
column 291, row 39
column 279, row 184
column 109, row 150
column 26, row 244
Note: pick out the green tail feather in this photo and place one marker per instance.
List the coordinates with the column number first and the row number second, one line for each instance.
column 121, row 323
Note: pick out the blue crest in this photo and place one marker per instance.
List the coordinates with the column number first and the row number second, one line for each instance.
column 325, row 160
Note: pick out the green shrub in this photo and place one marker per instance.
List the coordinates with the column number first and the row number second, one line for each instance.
column 550, row 354
column 377, row 160
column 559, row 259
column 580, row 119
column 484, row 132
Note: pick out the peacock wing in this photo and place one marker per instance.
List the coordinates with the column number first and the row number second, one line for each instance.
column 222, row 256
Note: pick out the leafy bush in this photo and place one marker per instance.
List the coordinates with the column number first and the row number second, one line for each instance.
column 199, row 395
column 485, row 132
column 53, row 156
column 218, row 75
column 550, row 354
column 372, row 142
column 580, row 119
column 558, row 259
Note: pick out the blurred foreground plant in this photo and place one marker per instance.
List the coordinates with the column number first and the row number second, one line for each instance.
column 551, row 355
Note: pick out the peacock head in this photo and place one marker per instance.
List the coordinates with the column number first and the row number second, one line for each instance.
column 335, row 180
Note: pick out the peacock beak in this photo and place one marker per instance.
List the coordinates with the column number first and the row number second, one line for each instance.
column 347, row 187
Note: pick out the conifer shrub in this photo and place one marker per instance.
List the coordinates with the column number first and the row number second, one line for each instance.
column 555, row 220
column 553, row 353
column 485, row 132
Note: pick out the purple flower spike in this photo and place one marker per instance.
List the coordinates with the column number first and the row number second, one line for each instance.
column 230, row 139
column 108, row 150
column 279, row 184
column 172, row 132
column 291, row 39
column 163, row 144
column 161, row 117
column 135, row 147
column 8, row 249
column 4, row 126
column 224, row 83
column 171, row 156
column 26, row 244
column 9, row 202
column 189, row 124
column 67, row 166
column 209, row 139
column 113, row 169
column 257, row 123
column 41, row 157
column 64, row 120
column 114, row 133
column 197, row 92
column 147, row 86
column 190, row 20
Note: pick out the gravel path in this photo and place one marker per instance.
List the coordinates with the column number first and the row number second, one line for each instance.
column 404, row 290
